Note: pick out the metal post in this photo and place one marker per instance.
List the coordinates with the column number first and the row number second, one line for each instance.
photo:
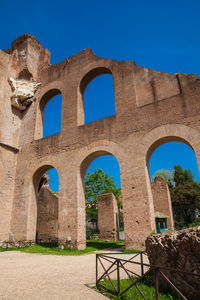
column 141, row 261
column 118, row 277
column 156, row 284
column 96, row 268
column 117, row 225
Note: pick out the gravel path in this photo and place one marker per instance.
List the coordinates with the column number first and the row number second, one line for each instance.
column 34, row 276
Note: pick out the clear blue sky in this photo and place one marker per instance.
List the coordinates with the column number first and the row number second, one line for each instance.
column 162, row 35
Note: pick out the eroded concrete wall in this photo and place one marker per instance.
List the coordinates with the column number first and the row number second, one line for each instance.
column 177, row 251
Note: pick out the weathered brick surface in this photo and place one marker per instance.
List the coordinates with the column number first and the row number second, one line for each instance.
column 107, row 217
column 47, row 214
column 151, row 108
column 7, row 180
column 162, row 200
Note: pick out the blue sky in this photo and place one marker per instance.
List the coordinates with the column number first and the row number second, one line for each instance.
column 162, row 35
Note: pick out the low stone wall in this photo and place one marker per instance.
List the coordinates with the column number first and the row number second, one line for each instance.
column 16, row 244
column 180, row 251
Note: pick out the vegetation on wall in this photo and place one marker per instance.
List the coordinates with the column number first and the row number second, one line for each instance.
column 185, row 195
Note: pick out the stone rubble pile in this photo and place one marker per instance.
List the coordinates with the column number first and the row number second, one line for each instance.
column 181, row 251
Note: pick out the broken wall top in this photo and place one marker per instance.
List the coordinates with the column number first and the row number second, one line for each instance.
column 144, row 98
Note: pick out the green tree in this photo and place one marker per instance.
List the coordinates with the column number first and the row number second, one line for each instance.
column 166, row 174
column 98, row 183
column 185, row 196
column 181, row 176
column 185, row 200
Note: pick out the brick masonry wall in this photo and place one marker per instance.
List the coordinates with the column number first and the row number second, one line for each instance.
column 7, row 177
column 107, row 217
column 47, row 216
column 162, row 200
column 152, row 108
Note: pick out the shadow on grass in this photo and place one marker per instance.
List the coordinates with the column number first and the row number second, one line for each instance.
column 102, row 245
column 48, row 245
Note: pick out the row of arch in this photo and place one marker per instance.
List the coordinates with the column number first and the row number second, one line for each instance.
column 151, row 142
column 95, row 100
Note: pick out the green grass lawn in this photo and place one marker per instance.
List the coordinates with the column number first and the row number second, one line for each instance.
column 132, row 251
column 146, row 286
column 52, row 248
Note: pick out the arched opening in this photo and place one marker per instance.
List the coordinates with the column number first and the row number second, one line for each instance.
column 49, row 114
column 52, row 116
column 45, row 208
column 100, row 174
column 96, row 96
column 174, row 160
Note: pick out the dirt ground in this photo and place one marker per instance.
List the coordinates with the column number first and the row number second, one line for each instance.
column 35, row 276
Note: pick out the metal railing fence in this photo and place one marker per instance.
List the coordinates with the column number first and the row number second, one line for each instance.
column 120, row 265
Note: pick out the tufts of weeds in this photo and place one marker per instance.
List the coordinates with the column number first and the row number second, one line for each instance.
column 146, row 285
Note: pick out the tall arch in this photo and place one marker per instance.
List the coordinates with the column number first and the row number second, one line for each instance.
column 153, row 140
column 92, row 74
column 167, row 133
column 92, row 156
column 87, row 159
column 42, row 220
column 164, row 140
column 47, row 96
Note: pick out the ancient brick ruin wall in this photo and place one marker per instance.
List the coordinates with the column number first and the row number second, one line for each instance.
column 47, row 216
column 151, row 108
column 162, row 200
column 7, row 182
column 107, row 217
